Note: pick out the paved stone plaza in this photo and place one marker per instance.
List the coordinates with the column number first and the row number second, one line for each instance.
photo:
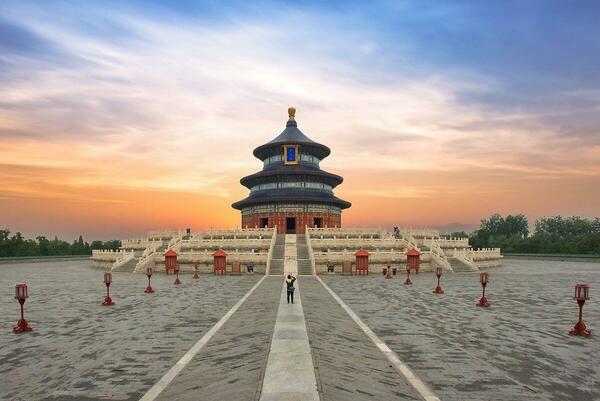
column 517, row 349
column 81, row 350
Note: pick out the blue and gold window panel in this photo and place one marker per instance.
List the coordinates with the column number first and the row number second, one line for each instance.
column 290, row 154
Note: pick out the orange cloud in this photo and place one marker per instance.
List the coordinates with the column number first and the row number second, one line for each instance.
column 153, row 135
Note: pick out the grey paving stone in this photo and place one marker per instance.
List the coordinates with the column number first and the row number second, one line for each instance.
column 348, row 365
column 81, row 350
column 517, row 349
column 232, row 364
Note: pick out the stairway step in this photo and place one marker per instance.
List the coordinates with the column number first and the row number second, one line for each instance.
column 458, row 265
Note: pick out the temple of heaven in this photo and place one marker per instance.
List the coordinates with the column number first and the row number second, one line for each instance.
column 291, row 192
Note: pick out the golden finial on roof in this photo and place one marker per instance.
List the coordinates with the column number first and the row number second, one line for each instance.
column 292, row 113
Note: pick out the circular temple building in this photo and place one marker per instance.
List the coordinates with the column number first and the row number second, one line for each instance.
column 291, row 192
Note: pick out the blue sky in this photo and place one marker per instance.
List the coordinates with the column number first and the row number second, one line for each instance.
column 467, row 103
column 531, row 48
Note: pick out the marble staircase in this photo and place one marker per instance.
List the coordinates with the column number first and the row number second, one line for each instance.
column 277, row 258
column 304, row 263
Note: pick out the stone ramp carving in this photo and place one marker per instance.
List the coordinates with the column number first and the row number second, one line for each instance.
column 460, row 266
column 126, row 264
column 304, row 264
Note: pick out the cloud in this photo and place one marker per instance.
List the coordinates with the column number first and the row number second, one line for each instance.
column 161, row 100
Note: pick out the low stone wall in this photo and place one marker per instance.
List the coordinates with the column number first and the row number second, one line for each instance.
column 345, row 233
column 138, row 245
column 227, row 246
column 449, row 251
column 377, row 262
column 246, row 233
column 104, row 259
column 207, row 268
column 452, row 242
column 206, row 262
column 337, row 244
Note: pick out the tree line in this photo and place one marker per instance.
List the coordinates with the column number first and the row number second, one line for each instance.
column 17, row 245
column 555, row 234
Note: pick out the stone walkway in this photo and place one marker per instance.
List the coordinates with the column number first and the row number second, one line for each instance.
column 290, row 374
column 290, row 264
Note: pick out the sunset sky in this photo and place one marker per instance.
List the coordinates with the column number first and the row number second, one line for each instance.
column 121, row 117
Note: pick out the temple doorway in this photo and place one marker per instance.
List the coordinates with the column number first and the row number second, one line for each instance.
column 264, row 222
column 318, row 223
column 290, row 225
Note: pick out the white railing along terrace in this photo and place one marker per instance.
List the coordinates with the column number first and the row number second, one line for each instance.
column 421, row 232
column 451, row 243
column 344, row 231
column 165, row 233
column 109, row 254
column 485, row 253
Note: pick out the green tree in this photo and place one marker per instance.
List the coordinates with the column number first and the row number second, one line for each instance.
column 112, row 244
column 79, row 247
column 566, row 227
column 572, row 234
column 458, row 234
column 501, row 232
column 43, row 245
column 17, row 245
column 4, row 242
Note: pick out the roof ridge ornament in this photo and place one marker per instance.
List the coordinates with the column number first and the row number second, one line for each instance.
column 292, row 113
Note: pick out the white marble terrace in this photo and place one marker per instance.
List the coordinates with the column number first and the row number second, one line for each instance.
column 325, row 245
column 243, row 245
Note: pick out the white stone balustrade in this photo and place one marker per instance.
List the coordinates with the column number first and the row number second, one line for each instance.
column 421, row 232
column 243, row 245
column 451, row 242
column 107, row 254
column 341, row 243
column 485, row 254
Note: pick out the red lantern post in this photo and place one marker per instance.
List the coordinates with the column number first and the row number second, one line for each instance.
column 582, row 294
column 177, row 281
column 21, row 294
column 149, row 289
column 107, row 280
column 389, row 271
column 483, row 302
column 438, row 273
column 407, row 281
column 196, row 270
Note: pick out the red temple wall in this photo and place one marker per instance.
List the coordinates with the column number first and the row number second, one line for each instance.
column 278, row 219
